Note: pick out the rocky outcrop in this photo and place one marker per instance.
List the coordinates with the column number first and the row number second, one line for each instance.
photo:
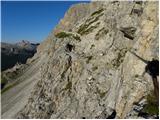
column 75, row 14
column 89, row 71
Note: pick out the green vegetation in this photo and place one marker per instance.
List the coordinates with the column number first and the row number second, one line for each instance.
column 82, row 29
column 101, row 33
column 136, row 76
column 8, row 87
column 102, row 94
column 152, row 107
column 64, row 35
column 86, row 27
column 77, row 38
column 93, row 19
column 97, row 12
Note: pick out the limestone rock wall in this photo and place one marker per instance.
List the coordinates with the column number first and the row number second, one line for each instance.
column 90, row 72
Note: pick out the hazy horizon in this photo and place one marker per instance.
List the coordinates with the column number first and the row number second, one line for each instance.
column 31, row 20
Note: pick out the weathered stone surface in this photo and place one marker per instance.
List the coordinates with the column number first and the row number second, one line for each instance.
column 95, row 76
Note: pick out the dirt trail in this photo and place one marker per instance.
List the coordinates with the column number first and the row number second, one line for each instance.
column 14, row 99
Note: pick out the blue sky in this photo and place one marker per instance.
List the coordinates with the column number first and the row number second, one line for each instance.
column 31, row 20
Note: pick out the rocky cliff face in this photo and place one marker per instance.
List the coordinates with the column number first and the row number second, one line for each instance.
column 89, row 71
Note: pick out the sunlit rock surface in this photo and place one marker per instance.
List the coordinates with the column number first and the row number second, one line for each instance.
column 86, row 69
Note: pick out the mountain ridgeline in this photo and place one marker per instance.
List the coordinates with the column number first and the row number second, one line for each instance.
column 84, row 68
column 16, row 53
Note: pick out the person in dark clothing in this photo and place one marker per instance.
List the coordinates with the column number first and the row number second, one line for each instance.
column 152, row 68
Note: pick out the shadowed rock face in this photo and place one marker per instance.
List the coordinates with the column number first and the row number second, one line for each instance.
column 87, row 71
column 16, row 53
